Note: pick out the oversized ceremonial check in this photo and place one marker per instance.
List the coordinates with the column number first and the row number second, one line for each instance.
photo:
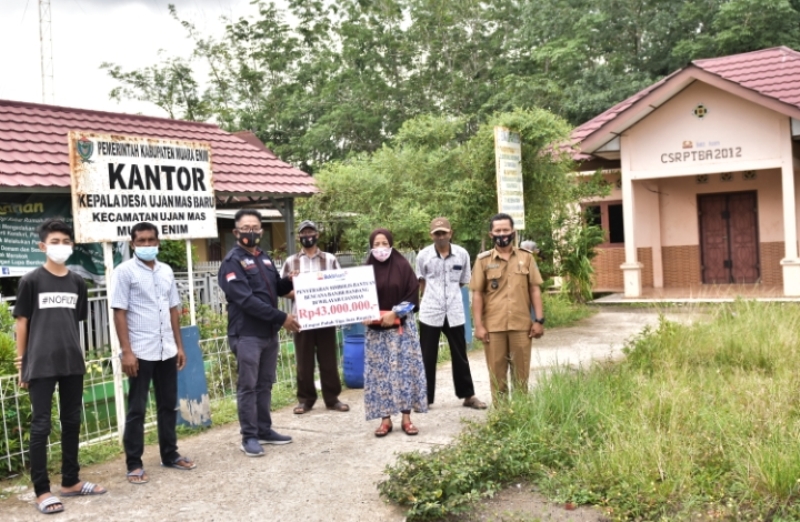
column 336, row 297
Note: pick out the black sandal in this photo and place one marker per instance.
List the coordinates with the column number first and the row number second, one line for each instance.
column 301, row 409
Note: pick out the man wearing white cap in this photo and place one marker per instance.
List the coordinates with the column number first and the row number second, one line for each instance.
column 443, row 268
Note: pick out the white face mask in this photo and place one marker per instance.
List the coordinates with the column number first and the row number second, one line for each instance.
column 381, row 254
column 59, row 253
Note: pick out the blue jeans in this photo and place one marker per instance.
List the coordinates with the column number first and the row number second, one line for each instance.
column 257, row 359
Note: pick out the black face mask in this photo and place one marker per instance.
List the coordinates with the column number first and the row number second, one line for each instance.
column 503, row 241
column 249, row 239
column 309, row 241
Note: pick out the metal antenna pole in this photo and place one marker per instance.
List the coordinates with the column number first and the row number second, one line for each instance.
column 46, row 45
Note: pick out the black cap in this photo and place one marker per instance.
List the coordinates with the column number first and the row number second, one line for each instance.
column 307, row 224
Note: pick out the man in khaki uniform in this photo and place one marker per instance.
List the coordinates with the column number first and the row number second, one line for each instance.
column 507, row 306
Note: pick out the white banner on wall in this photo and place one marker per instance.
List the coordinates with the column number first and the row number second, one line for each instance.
column 508, row 160
column 336, row 297
column 118, row 181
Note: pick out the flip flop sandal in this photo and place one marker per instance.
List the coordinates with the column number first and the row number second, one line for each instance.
column 50, row 501
column 138, row 474
column 409, row 428
column 301, row 409
column 174, row 464
column 339, row 406
column 86, row 489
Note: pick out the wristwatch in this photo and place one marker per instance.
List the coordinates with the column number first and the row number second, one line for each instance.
column 540, row 320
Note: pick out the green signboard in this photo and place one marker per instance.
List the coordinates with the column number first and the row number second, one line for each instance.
column 19, row 251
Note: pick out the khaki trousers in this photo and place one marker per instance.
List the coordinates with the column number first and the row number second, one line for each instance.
column 510, row 348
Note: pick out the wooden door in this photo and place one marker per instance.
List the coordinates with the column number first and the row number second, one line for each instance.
column 729, row 238
column 743, row 233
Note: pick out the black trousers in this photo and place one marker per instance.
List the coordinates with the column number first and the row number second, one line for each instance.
column 322, row 343
column 257, row 361
column 456, row 338
column 164, row 375
column 70, row 396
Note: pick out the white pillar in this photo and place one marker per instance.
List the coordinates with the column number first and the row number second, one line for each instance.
column 192, row 313
column 631, row 268
column 790, row 263
column 648, row 197
column 116, row 363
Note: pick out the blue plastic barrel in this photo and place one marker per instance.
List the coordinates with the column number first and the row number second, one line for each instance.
column 193, row 404
column 349, row 330
column 353, row 361
column 467, row 314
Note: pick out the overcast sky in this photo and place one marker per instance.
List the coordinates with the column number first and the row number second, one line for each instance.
column 87, row 33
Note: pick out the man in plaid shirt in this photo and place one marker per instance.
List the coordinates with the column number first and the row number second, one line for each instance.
column 321, row 341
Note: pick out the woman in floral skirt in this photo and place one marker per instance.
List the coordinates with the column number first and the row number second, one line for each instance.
column 394, row 375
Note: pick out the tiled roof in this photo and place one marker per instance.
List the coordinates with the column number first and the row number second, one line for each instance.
column 33, row 149
column 774, row 73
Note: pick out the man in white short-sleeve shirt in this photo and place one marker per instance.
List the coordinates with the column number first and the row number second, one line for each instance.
column 147, row 318
column 443, row 268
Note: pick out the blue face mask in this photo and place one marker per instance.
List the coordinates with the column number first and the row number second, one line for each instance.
column 146, row 253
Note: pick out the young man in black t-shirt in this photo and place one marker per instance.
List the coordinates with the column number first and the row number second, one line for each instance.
column 51, row 301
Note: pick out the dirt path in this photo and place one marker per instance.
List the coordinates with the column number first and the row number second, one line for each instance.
column 330, row 471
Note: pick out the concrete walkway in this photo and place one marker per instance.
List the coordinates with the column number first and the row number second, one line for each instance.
column 331, row 470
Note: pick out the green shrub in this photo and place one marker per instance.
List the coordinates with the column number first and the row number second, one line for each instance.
column 209, row 323
column 14, row 425
column 8, row 347
column 15, row 413
column 173, row 253
column 560, row 310
column 576, row 253
column 8, row 352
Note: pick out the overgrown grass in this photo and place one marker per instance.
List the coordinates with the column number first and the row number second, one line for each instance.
column 561, row 311
column 698, row 421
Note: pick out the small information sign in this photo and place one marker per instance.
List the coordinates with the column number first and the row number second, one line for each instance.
column 508, row 159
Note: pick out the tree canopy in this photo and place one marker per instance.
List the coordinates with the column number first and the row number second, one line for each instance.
column 343, row 77
column 438, row 165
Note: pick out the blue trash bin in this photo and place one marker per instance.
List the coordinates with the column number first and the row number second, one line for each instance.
column 353, row 361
